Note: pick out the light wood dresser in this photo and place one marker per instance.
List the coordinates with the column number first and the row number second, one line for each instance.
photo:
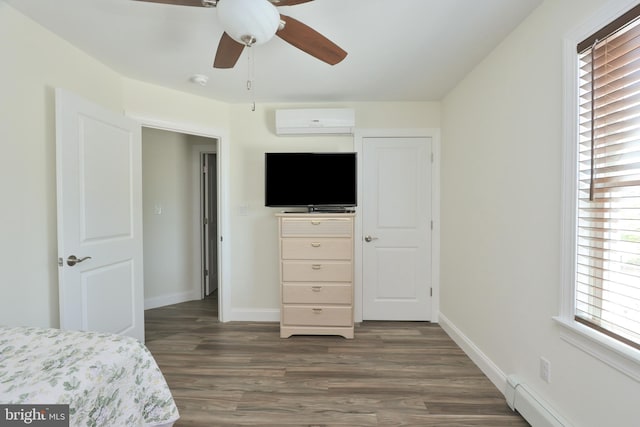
column 316, row 274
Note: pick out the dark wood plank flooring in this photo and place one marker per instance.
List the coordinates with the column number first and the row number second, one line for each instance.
column 391, row 374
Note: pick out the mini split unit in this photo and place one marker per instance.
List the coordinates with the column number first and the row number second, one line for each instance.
column 337, row 121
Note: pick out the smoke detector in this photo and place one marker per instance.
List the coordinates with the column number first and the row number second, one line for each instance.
column 199, row 79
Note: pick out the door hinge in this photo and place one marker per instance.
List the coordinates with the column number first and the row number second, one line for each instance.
column 206, row 272
column 60, row 262
column 431, row 225
column 430, row 292
column 431, row 157
column 206, row 221
column 221, row 238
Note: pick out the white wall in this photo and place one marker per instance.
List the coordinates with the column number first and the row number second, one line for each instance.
column 500, row 197
column 39, row 61
column 169, row 209
column 147, row 101
column 254, row 281
column 501, row 217
column 255, row 286
column 34, row 63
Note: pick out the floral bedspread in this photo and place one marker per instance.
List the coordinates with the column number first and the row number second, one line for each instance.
column 107, row 380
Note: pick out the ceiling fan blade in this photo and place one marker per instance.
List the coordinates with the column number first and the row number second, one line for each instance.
column 197, row 3
column 228, row 52
column 288, row 2
column 309, row 40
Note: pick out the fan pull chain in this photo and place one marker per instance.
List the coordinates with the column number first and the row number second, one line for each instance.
column 250, row 78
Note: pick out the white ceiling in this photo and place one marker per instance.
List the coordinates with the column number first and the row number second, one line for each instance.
column 402, row 50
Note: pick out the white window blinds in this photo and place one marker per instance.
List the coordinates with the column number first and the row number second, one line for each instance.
column 608, row 235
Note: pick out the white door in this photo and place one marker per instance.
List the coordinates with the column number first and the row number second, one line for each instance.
column 99, row 193
column 396, row 220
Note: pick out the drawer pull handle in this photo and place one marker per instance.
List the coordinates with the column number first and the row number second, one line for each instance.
column 316, row 266
column 317, row 311
column 315, row 222
column 315, row 245
column 316, row 288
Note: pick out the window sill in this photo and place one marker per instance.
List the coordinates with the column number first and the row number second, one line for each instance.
column 614, row 353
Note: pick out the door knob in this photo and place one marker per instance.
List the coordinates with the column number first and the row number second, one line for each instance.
column 73, row 260
column 369, row 238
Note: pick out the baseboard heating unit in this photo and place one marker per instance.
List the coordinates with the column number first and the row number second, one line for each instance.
column 536, row 411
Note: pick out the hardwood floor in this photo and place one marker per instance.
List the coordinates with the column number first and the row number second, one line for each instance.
column 391, row 374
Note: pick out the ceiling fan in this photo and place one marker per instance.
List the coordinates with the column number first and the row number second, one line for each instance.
column 253, row 22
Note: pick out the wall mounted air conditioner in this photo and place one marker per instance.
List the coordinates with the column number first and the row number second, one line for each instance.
column 315, row 121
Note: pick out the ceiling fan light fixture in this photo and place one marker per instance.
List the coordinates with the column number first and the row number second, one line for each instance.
column 250, row 22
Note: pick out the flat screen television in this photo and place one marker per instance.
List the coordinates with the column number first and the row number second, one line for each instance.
column 317, row 181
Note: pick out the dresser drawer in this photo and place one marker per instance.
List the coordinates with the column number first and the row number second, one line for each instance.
column 299, row 227
column 317, row 316
column 294, row 293
column 316, row 248
column 320, row 271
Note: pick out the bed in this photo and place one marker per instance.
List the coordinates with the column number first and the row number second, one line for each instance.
column 107, row 380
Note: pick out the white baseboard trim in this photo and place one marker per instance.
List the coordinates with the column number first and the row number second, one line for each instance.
column 162, row 300
column 534, row 409
column 486, row 365
column 253, row 315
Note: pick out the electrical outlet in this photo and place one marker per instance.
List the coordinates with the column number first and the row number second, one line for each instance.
column 545, row 370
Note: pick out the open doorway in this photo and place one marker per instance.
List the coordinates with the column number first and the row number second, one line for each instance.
column 209, row 208
column 177, row 253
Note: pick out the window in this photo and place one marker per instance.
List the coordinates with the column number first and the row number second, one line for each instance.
column 607, row 239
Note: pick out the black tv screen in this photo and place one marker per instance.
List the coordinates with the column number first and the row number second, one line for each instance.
column 310, row 179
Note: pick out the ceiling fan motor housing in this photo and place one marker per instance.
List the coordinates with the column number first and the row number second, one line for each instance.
column 250, row 22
